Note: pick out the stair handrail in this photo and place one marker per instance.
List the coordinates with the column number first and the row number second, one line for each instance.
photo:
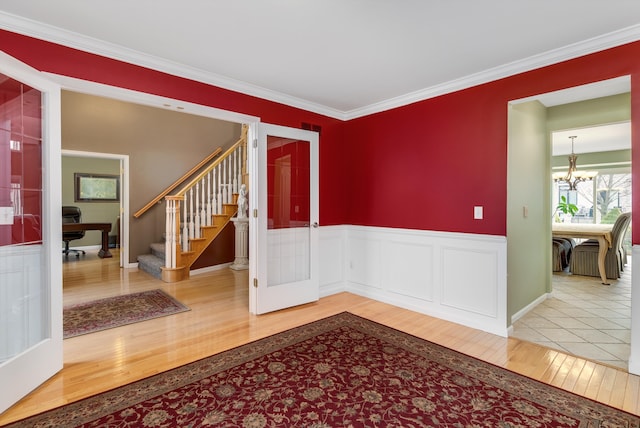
column 211, row 166
column 177, row 183
column 207, row 194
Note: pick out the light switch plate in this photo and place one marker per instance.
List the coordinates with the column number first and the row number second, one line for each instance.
column 477, row 213
column 6, row 215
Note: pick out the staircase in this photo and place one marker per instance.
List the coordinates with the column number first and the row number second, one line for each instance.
column 155, row 262
column 206, row 205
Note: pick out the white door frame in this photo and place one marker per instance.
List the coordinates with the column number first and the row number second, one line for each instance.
column 127, row 95
column 124, row 197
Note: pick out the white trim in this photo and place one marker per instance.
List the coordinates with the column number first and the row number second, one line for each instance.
column 88, row 44
column 332, row 247
column 531, row 306
column 575, row 50
column 420, row 270
column 634, row 354
column 144, row 98
column 47, row 32
column 210, row 269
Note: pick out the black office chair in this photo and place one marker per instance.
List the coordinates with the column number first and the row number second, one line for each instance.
column 71, row 215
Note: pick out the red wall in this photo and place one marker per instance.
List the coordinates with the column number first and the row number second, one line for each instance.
column 422, row 166
column 21, row 166
column 425, row 165
column 65, row 61
column 298, row 155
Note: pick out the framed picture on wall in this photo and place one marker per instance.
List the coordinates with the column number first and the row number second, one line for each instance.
column 96, row 187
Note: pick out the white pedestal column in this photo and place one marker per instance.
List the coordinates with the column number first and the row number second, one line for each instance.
column 242, row 243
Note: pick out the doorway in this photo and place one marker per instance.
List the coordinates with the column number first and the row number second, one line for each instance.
column 531, row 123
column 116, row 213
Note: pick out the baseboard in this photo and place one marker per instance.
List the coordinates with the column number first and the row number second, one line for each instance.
column 522, row 312
column 210, row 268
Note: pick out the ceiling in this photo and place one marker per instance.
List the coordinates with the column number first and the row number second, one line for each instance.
column 593, row 139
column 342, row 58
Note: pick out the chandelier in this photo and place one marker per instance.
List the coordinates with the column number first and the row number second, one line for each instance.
column 573, row 176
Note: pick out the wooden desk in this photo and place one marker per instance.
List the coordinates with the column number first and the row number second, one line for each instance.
column 104, row 227
column 600, row 232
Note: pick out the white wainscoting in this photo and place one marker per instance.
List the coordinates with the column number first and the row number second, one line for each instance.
column 454, row 276
column 23, row 300
column 288, row 255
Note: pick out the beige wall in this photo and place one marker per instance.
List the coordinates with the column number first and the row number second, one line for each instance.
column 162, row 145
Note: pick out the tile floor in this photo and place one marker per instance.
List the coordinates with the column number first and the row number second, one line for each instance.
column 583, row 317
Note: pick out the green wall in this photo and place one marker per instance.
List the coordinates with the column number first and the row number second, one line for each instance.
column 528, row 202
column 92, row 212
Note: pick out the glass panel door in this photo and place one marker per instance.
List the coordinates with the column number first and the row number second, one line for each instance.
column 30, row 235
column 289, row 187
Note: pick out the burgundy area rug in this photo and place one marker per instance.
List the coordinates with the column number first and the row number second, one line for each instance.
column 342, row 371
column 117, row 311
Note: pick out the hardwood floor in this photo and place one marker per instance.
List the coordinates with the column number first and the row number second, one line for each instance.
column 219, row 320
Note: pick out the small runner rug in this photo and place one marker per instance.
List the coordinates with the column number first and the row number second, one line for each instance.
column 341, row 371
column 117, row 311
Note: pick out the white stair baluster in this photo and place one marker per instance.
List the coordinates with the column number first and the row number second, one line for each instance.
column 209, row 175
column 196, row 225
column 214, row 192
column 168, row 232
column 225, row 180
column 185, row 227
column 229, row 182
column 191, row 225
column 239, row 171
column 234, row 172
column 174, row 234
column 203, row 200
column 219, row 204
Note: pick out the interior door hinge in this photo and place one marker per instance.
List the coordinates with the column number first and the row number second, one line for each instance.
column 255, row 212
column 255, row 143
column 255, row 282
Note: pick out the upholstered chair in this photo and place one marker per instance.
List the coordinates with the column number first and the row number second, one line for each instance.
column 561, row 251
column 584, row 259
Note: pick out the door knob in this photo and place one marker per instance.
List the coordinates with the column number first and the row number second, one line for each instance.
column 315, row 224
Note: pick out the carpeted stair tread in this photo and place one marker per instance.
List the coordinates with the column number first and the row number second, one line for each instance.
column 151, row 264
column 158, row 250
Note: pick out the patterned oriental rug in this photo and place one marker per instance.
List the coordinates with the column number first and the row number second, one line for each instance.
column 341, row 371
column 117, row 311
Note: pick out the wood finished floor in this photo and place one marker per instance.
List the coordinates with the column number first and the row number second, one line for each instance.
column 219, row 320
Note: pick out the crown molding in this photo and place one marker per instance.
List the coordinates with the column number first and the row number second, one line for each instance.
column 70, row 39
column 585, row 47
column 53, row 34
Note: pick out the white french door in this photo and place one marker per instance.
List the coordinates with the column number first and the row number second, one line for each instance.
column 287, row 219
column 30, row 231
